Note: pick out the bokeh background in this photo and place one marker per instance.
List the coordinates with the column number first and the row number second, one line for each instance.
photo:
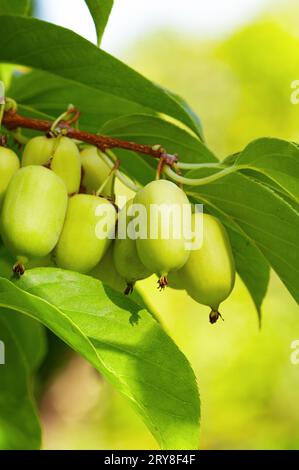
column 234, row 62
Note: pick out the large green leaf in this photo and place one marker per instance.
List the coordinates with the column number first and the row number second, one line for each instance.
column 189, row 110
column 45, row 46
column 15, row 7
column 276, row 159
column 251, row 267
column 12, row 7
column 41, row 92
column 31, row 336
column 141, row 360
column 262, row 216
column 19, row 425
column 100, row 11
column 30, row 333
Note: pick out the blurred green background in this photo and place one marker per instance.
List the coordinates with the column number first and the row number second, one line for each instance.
column 239, row 82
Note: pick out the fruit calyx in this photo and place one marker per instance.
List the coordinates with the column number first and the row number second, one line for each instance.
column 214, row 316
column 18, row 269
column 162, row 283
column 129, row 289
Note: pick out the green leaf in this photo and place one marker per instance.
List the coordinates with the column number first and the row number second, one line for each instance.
column 15, row 7
column 100, row 11
column 251, row 267
column 262, row 216
column 32, row 338
column 43, row 94
column 30, row 333
column 19, row 425
column 189, row 110
column 140, row 360
column 152, row 130
column 45, row 46
column 12, row 7
column 276, row 159
column 270, row 183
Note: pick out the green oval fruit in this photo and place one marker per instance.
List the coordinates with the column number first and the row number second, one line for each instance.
column 80, row 247
column 38, row 151
column 60, row 154
column 126, row 259
column 9, row 165
column 66, row 163
column 95, row 172
column 106, row 272
column 167, row 250
column 33, row 212
column 209, row 274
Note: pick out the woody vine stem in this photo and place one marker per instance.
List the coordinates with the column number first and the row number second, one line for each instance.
column 66, row 124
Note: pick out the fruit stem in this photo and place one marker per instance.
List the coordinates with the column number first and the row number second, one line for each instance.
column 196, row 166
column 123, row 178
column 63, row 117
column 19, row 137
column 200, row 181
column 161, row 164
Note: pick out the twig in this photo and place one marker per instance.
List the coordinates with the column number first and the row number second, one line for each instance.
column 12, row 120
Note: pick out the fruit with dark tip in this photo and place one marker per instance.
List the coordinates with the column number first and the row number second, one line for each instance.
column 209, row 274
column 167, row 250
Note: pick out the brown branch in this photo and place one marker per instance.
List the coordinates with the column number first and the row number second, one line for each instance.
column 12, row 120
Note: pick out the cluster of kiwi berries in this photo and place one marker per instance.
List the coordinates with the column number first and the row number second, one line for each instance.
column 49, row 204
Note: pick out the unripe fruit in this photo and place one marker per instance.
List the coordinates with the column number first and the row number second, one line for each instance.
column 95, row 172
column 168, row 250
column 80, row 247
column 66, row 163
column 38, row 151
column 209, row 274
column 106, row 272
column 126, row 259
column 9, row 165
column 60, row 154
column 33, row 212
